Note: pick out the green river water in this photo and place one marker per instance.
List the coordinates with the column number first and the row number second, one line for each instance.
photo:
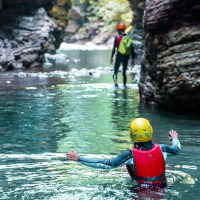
column 46, row 112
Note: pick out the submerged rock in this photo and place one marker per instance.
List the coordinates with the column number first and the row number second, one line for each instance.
column 62, row 58
column 170, row 71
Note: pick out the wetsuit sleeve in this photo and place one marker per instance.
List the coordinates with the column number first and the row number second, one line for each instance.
column 114, row 46
column 122, row 159
column 173, row 150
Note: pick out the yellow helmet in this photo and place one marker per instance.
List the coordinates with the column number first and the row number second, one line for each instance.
column 141, row 130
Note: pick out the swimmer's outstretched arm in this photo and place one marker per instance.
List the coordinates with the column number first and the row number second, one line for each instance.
column 123, row 159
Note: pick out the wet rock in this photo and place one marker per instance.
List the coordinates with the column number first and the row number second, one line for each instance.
column 137, row 32
column 17, row 65
column 35, row 64
column 55, row 58
column 84, row 34
column 76, row 20
column 76, row 14
column 72, row 27
column 30, row 31
column 1, row 68
column 1, row 4
column 138, row 10
column 59, row 14
column 16, row 2
column 170, row 68
column 101, row 38
column 31, row 34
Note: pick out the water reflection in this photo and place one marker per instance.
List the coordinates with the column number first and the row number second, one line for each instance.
column 42, row 118
column 125, row 105
column 50, row 175
column 29, row 121
column 120, row 105
column 148, row 192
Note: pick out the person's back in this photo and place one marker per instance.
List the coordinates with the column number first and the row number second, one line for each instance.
column 149, row 165
column 149, row 159
column 145, row 162
column 124, row 47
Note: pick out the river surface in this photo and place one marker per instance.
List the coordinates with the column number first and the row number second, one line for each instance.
column 46, row 112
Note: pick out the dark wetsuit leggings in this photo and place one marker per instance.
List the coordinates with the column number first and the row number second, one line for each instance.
column 124, row 60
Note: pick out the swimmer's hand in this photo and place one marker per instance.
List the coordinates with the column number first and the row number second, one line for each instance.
column 72, row 155
column 172, row 134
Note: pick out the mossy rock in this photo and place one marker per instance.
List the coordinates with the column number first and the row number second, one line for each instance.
column 64, row 3
column 59, row 13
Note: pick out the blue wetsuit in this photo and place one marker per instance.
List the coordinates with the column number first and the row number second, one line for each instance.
column 127, row 158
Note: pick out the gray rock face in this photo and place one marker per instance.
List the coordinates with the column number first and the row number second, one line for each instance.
column 24, row 42
column 27, row 32
column 170, row 71
column 18, row 2
column 137, row 32
column 138, row 10
column 1, row 4
column 76, row 14
column 72, row 27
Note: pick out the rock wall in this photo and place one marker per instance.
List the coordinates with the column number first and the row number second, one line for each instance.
column 170, row 71
column 137, row 32
column 28, row 29
column 138, row 7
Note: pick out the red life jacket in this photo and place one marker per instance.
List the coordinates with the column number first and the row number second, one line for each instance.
column 149, row 165
column 119, row 38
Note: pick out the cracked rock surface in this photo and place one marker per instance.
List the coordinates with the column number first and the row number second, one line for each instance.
column 170, row 70
column 28, row 29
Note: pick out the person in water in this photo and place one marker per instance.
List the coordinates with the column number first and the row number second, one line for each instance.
column 120, row 58
column 146, row 161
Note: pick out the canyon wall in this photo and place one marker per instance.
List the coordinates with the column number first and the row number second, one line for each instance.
column 28, row 29
column 170, row 70
column 137, row 32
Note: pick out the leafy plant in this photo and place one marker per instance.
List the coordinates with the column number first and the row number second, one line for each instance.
column 111, row 12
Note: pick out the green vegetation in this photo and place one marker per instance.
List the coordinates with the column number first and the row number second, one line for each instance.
column 111, row 12
column 59, row 13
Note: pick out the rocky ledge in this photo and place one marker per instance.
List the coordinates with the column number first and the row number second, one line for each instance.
column 170, row 71
column 28, row 29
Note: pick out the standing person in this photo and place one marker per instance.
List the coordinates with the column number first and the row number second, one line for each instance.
column 123, row 46
column 145, row 162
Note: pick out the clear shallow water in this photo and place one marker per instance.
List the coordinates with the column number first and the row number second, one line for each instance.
column 46, row 113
